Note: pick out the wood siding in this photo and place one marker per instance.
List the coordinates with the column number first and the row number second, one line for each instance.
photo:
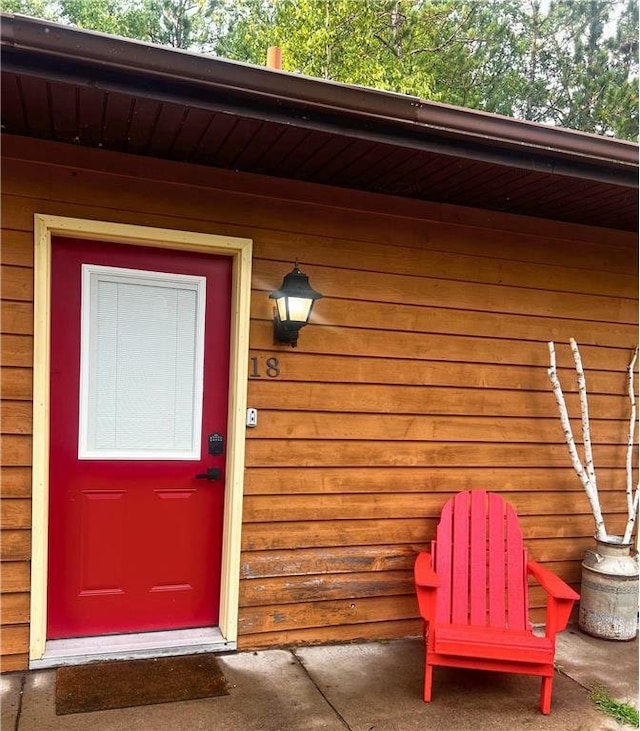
column 423, row 373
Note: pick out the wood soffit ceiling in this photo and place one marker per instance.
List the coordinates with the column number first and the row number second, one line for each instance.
column 86, row 88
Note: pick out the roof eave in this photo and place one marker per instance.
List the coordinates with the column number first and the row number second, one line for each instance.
column 400, row 115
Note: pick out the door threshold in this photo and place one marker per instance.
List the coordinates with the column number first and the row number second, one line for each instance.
column 81, row 650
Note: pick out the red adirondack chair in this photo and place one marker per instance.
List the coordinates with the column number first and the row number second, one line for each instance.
column 472, row 593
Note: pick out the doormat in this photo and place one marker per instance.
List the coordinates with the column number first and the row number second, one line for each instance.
column 125, row 683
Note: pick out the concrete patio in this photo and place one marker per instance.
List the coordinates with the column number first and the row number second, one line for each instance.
column 372, row 686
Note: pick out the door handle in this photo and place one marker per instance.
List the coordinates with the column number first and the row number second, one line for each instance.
column 213, row 474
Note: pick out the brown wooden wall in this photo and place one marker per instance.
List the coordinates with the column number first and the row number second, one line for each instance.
column 424, row 373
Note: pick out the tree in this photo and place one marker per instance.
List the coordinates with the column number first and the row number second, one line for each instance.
column 183, row 23
column 480, row 65
column 595, row 84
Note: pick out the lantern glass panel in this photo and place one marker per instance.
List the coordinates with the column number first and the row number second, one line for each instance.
column 281, row 304
column 299, row 308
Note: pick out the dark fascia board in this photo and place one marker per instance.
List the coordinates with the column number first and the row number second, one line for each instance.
column 54, row 51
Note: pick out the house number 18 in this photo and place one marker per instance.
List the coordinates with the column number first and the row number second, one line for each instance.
column 270, row 368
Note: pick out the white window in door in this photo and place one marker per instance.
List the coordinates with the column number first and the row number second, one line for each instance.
column 141, row 364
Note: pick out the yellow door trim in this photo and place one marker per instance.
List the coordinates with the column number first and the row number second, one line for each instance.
column 241, row 250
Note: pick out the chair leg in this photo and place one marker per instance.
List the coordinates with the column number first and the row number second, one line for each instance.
column 428, row 679
column 545, row 695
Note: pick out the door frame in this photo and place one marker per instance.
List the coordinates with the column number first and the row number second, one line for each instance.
column 240, row 249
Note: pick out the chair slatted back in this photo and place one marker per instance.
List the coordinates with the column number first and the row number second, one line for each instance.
column 481, row 562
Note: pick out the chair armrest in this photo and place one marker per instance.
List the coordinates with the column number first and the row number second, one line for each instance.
column 551, row 583
column 427, row 583
column 423, row 571
column 560, row 597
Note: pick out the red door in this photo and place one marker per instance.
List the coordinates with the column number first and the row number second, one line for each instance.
column 139, row 389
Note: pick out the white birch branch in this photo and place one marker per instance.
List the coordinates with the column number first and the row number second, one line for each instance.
column 584, row 412
column 632, row 517
column 632, row 500
column 589, row 487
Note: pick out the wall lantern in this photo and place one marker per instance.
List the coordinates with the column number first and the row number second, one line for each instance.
column 294, row 302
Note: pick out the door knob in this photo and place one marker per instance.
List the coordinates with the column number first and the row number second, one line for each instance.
column 212, row 474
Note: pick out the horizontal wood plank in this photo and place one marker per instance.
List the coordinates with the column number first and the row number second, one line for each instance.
column 15, row 513
column 16, row 350
column 326, row 613
column 14, row 609
column 554, row 548
column 296, row 589
column 15, row 576
column 355, row 453
column 321, row 635
column 16, row 384
column 16, row 545
column 266, row 508
column 312, row 534
column 333, row 339
column 427, row 478
column 14, row 663
column 15, row 481
column 326, row 560
column 16, row 318
column 17, row 248
column 415, row 531
column 399, row 318
column 17, row 283
column 304, row 366
column 410, row 427
column 426, row 400
column 16, row 450
column 16, row 417
column 14, row 641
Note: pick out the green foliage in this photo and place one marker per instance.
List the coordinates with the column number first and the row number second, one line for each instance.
column 368, row 43
column 596, row 77
column 178, row 23
column 35, row 8
column 109, row 16
column 622, row 712
column 182, row 23
column 567, row 62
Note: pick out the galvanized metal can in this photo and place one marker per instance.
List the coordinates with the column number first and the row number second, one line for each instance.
column 609, row 594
